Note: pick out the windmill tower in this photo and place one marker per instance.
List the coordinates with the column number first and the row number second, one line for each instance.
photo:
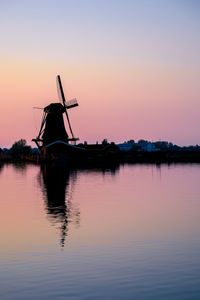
column 52, row 128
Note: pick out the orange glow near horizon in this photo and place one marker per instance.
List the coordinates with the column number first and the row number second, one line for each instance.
column 116, row 102
column 133, row 79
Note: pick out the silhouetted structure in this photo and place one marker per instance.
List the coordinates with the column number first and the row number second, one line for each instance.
column 53, row 140
column 54, row 124
column 52, row 127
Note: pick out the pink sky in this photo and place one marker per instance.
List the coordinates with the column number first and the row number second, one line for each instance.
column 134, row 68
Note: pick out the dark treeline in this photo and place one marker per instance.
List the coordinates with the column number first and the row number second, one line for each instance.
column 147, row 146
column 129, row 151
column 20, row 150
column 158, row 152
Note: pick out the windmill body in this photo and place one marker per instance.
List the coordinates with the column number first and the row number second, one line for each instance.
column 54, row 124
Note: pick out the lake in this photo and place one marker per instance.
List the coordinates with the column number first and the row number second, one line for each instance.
column 130, row 232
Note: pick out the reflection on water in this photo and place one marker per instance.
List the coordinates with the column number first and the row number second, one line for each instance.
column 20, row 167
column 1, row 167
column 127, row 233
column 57, row 185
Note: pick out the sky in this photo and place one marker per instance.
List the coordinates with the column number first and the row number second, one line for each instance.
column 134, row 67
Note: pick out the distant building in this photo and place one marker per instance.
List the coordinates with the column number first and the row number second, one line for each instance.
column 146, row 146
column 126, row 146
column 149, row 147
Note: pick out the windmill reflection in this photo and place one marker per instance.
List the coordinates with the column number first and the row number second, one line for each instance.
column 58, row 185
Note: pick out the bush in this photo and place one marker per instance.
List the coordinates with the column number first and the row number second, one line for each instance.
column 20, row 147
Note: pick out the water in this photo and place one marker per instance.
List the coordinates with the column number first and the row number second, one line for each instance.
column 126, row 233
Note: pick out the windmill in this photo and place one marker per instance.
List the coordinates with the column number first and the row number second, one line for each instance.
column 52, row 128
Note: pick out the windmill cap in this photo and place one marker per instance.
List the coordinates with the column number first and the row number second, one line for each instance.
column 54, row 108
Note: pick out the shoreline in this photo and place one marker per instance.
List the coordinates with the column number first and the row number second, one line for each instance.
column 156, row 157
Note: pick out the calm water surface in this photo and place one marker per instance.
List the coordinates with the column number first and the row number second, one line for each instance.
column 126, row 233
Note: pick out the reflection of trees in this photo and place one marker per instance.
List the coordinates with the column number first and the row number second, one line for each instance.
column 20, row 167
column 58, row 184
column 1, row 167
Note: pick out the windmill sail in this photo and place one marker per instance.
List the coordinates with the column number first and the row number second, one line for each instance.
column 61, row 94
column 67, row 104
column 71, row 103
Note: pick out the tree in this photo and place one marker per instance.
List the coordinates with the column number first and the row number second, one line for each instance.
column 20, row 147
column 105, row 142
